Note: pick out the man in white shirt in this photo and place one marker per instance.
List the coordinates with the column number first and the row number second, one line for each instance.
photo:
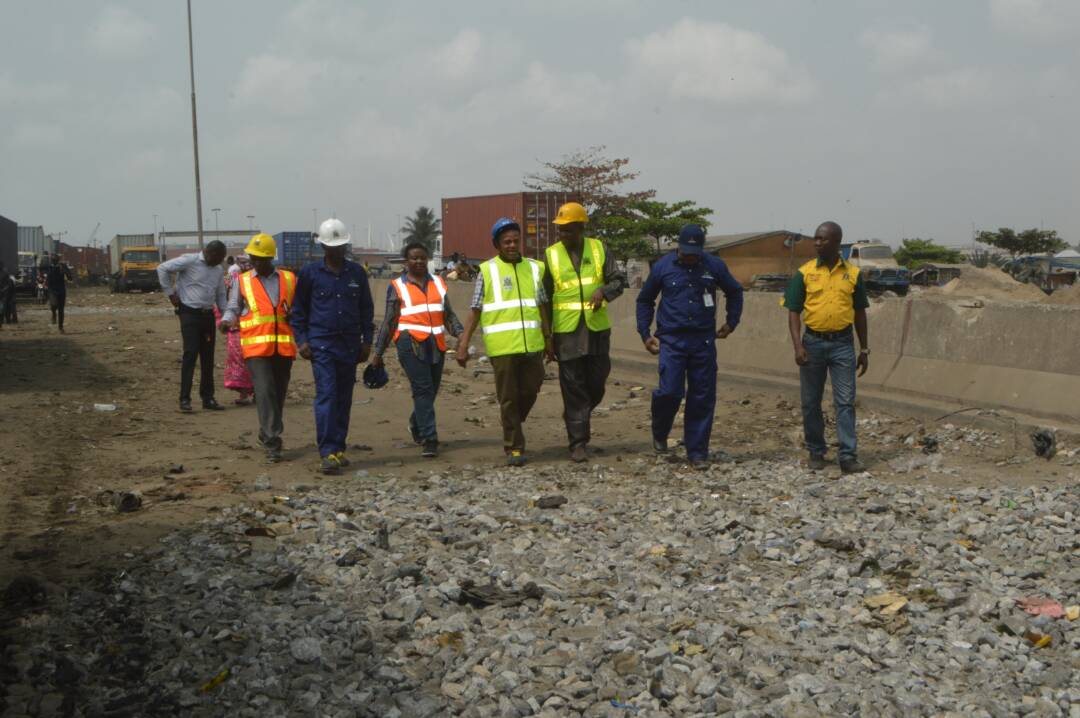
column 199, row 287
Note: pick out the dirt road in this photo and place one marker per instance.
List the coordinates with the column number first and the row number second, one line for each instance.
column 59, row 456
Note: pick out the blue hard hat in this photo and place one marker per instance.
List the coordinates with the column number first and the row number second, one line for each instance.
column 692, row 239
column 375, row 377
column 501, row 225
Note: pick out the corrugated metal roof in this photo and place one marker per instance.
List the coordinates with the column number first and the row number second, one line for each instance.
column 714, row 242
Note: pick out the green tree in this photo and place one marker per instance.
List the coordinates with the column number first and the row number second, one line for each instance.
column 422, row 227
column 647, row 221
column 916, row 252
column 594, row 177
column 1029, row 241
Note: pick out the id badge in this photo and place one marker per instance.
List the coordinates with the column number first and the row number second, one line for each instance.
column 708, row 300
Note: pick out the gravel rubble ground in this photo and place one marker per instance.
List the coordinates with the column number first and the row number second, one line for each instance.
column 755, row 588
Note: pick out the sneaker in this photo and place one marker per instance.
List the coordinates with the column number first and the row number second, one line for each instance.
column 212, row 405
column 431, row 449
column 341, row 459
column 516, row 457
column 817, row 462
column 659, row 445
column 185, row 405
column 330, row 465
column 851, row 467
column 578, row 455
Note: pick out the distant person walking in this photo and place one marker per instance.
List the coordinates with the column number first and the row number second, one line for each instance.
column 57, row 275
column 11, row 310
column 686, row 282
column 418, row 316
column 333, row 319
column 829, row 295
column 195, row 285
column 580, row 280
column 517, row 336
column 258, row 316
column 7, row 294
column 237, row 376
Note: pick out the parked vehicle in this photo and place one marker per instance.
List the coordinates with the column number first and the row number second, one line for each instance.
column 876, row 260
column 134, row 261
column 26, row 274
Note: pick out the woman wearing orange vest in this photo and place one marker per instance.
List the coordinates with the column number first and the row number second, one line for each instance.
column 261, row 311
column 417, row 319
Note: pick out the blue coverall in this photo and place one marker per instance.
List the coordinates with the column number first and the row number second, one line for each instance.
column 686, row 328
column 335, row 315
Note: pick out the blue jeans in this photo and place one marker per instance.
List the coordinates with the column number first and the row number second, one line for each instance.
column 837, row 359
column 686, row 361
column 424, row 378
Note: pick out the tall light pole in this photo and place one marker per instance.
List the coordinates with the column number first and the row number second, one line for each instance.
column 314, row 220
column 215, row 210
column 194, row 127
column 251, row 221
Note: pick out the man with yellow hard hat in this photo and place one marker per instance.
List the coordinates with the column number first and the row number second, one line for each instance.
column 581, row 278
column 261, row 310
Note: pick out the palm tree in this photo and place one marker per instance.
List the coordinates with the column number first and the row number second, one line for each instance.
column 423, row 227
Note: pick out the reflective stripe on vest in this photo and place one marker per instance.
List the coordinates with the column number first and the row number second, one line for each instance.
column 423, row 309
column 266, row 331
column 510, row 317
column 574, row 289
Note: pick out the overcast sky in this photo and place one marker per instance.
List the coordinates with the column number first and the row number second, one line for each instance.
column 914, row 118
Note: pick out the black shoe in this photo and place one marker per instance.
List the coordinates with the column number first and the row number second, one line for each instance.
column 273, row 455
column 851, row 467
column 659, row 445
column 699, row 464
column 431, row 449
column 185, row 405
column 212, row 405
column 817, row 462
column 415, row 436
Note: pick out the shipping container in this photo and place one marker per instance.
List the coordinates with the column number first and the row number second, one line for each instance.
column 295, row 249
column 33, row 239
column 9, row 244
column 123, row 241
column 88, row 264
column 467, row 221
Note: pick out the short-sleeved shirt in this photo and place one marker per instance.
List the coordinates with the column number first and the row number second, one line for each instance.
column 826, row 297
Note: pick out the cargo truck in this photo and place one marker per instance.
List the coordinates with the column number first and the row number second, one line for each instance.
column 880, row 270
column 134, row 260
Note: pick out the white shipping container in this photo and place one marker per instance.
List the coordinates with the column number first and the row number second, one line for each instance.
column 32, row 239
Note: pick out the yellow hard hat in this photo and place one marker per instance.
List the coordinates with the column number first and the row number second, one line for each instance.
column 261, row 245
column 571, row 212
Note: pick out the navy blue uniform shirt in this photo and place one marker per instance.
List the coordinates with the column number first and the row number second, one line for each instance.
column 333, row 308
column 688, row 304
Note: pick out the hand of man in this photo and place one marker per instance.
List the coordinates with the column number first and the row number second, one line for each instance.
column 724, row 332
column 462, row 354
column 365, row 352
column 377, row 361
column 597, row 300
column 224, row 327
column 305, row 351
column 175, row 300
column 801, row 357
column 862, row 363
column 653, row 345
column 549, row 350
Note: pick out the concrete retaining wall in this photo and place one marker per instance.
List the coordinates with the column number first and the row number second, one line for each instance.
column 1019, row 356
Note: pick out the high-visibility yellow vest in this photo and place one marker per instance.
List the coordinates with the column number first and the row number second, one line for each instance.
column 265, row 331
column 574, row 288
column 510, row 317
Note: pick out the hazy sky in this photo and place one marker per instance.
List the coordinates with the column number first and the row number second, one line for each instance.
column 912, row 118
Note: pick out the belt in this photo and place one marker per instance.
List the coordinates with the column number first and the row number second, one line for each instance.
column 830, row 336
column 193, row 310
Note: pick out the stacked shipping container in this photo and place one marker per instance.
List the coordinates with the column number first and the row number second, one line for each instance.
column 295, row 249
column 9, row 244
column 466, row 221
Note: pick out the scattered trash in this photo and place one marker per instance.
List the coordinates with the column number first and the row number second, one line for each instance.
column 280, row 500
column 551, row 502
column 1045, row 443
column 491, row 595
column 624, row 706
column 686, row 649
column 889, row 603
column 214, row 682
column 966, row 543
column 1037, row 606
column 930, row 445
column 104, row 407
column 1072, row 613
column 1038, row 640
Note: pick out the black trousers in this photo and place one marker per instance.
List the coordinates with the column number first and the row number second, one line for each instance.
column 197, row 331
column 582, row 382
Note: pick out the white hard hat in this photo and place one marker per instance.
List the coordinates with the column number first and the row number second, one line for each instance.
column 332, row 233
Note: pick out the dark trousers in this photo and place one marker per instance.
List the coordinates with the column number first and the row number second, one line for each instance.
column 424, row 378
column 517, row 384
column 582, row 382
column 57, row 301
column 197, row 332
column 335, row 378
column 686, row 360
column 270, row 375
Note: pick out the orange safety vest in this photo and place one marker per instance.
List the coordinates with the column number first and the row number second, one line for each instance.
column 265, row 331
column 421, row 314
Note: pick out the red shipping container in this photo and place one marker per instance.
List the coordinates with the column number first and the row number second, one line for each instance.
column 467, row 221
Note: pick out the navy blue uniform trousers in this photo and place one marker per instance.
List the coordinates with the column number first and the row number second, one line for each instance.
column 687, row 369
column 333, row 365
